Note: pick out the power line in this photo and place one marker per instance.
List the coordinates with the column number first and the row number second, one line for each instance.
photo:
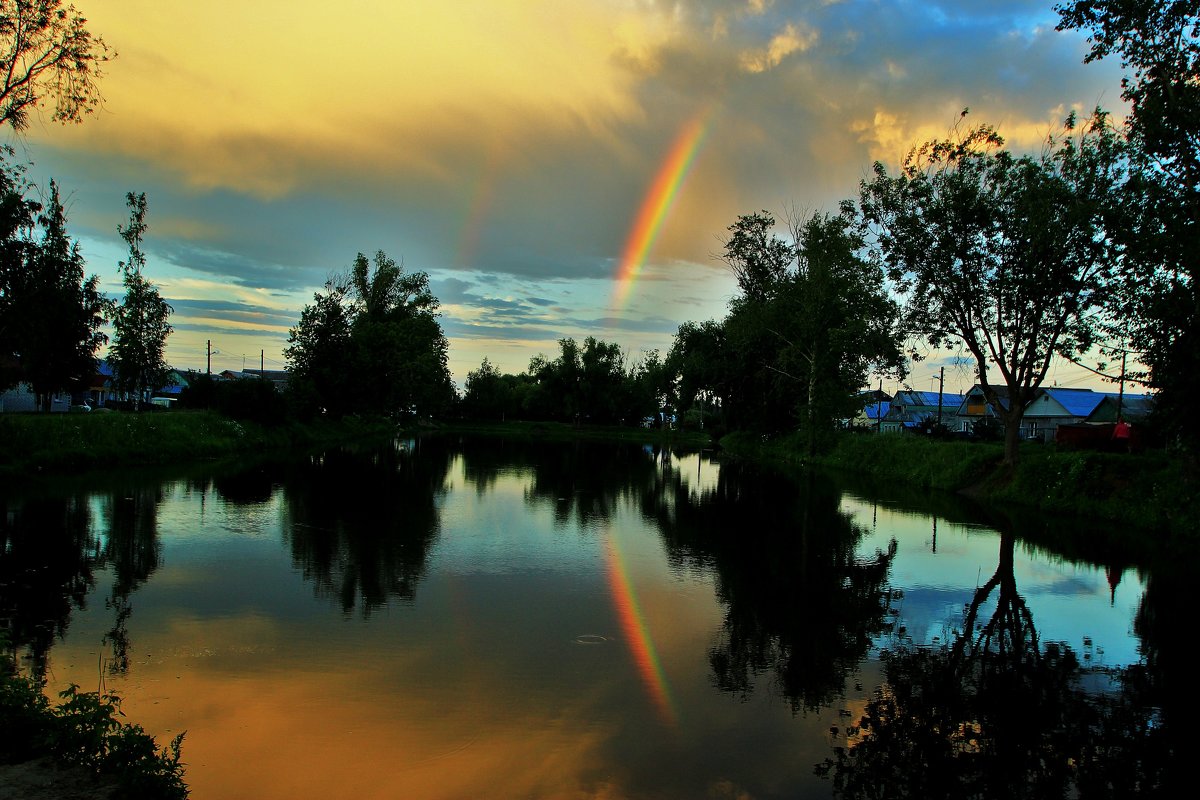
column 1112, row 378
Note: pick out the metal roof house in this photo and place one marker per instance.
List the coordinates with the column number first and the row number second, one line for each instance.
column 975, row 407
column 911, row 409
column 277, row 377
column 1130, row 407
column 1057, row 406
column 873, row 407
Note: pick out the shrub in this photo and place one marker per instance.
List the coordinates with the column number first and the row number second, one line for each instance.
column 85, row 729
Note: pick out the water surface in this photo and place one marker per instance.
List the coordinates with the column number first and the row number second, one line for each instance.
column 446, row 618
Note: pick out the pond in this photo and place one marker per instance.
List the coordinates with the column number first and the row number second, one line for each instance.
column 450, row 618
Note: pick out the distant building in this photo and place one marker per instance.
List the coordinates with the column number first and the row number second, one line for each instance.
column 278, row 377
column 1057, row 406
column 22, row 398
column 912, row 409
column 873, row 407
column 975, row 408
column 1129, row 407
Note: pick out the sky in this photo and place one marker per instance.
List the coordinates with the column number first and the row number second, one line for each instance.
column 558, row 167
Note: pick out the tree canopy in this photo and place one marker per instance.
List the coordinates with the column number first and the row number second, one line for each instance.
column 47, row 56
column 51, row 314
column 812, row 321
column 140, row 322
column 371, row 342
column 1008, row 256
column 1157, row 312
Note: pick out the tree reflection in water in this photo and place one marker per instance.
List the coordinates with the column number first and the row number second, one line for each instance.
column 360, row 522
column 48, row 559
column 50, row 553
column 133, row 550
column 995, row 713
column 800, row 604
column 586, row 481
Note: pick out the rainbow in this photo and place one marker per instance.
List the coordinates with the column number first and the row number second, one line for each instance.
column 479, row 207
column 637, row 634
column 658, row 201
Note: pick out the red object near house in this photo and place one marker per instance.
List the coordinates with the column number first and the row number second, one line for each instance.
column 1121, row 437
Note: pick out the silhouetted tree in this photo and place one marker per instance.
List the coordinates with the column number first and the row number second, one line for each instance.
column 316, row 352
column 140, row 326
column 1159, row 312
column 17, row 214
column 61, row 327
column 484, row 395
column 699, row 363
column 812, row 321
column 371, row 342
column 1009, row 256
column 47, row 54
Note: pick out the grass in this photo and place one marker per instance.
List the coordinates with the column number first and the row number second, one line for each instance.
column 1147, row 495
column 54, row 443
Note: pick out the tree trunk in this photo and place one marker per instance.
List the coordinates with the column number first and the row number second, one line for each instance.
column 1012, row 438
column 812, row 415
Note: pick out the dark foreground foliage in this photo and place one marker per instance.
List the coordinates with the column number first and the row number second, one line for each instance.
column 86, row 730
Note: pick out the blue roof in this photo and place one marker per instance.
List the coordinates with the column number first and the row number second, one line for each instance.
column 878, row 410
column 931, row 398
column 1077, row 402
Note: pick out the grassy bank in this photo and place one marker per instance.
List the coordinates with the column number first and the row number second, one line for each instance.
column 1144, row 492
column 49, row 443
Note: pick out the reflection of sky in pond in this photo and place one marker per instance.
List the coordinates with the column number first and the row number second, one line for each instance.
column 1069, row 602
column 509, row 671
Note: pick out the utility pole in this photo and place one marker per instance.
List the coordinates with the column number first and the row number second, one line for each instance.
column 1121, row 392
column 208, row 351
column 941, row 391
column 879, row 408
column 262, row 362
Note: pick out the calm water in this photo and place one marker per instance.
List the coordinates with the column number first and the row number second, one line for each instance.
column 456, row 619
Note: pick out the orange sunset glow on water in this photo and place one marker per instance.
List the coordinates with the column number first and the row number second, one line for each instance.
column 505, row 620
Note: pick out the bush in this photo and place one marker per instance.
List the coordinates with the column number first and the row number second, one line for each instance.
column 249, row 399
column 85, row 730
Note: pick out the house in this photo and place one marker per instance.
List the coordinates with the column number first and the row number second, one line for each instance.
column 911, row 409
column 1057, row 406
column 975, row 408
column 103, row 388
column 22, row 398
column 100, row 388
column 277, row 377
column 873, row 407
column 1130, row 407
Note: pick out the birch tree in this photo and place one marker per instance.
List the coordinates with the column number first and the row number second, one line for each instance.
column 140, row 322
